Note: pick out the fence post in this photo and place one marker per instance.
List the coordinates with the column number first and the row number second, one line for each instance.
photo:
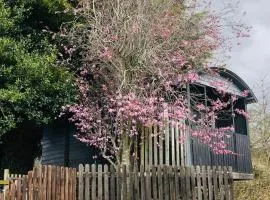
column 6, row 177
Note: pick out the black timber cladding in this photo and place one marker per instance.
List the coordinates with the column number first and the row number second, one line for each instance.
column 60, row 147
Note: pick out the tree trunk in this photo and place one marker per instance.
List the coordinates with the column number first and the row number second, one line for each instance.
column 125, row 157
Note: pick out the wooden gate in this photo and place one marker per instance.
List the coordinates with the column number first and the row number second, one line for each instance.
column 44, row 183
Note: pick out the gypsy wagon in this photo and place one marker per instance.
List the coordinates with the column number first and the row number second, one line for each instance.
column 60, row 147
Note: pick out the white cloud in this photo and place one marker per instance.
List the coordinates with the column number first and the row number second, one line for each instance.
column 251, row 61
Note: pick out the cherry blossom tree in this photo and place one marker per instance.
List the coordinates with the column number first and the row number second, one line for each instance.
column 136, row 60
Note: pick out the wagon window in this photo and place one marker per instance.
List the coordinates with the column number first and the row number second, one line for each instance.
column 240, row 123
column 224, row 117
column 227, row 117
column 197, row 95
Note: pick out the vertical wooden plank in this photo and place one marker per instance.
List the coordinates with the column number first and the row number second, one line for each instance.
column 119, row 182
column 176, row 182
column 70, row 195
column 171, row 184
column 35, row 183
column 136, row 188
column 226, row 183
column 19, row 192
column 74, row 183
column 112, row 183
column 199, row 184
column 130, row 182
column 150, row 138
column 193, row 183
column 49, row 183
column 136, row 183
column 40, row 182
column 62, row 190
column 220, row 179
column 182, row 146
column 24, row 187
column 161, row 145
column 204, row 183
column 86, row 181
column 93, row 184
column 30, row 185
column 166, row 183
column 167, row 143
column 124, row 182
column 100, row 185
column 66, row 183
column 210, row 184
column 136, row 156
column 231, row 189
column 58, row 182
column 154, row 182
column 81, row 185
column 44, row 182
column 142, row 179
column 183, row 182
column 215, row 182
column 173, row 140
column 106, row 182
column 160, row 183
column 177, row 146
column 146, row 146
column 148, row 183
column 155, row 146
column 54, row 185
column 142, row 159
column 6, row 177
column 12, row 191
column 188, row 174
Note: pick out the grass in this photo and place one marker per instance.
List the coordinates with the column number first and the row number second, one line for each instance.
column 259, row 188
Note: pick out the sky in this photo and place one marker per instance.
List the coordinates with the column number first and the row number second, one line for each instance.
column 251, row 60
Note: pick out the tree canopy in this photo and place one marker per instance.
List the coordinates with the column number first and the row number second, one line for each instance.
column 33, row 84
column 137, row 57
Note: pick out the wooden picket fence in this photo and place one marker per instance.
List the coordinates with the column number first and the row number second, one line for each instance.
column 103, row 182
column 44, row 182
column 154, row 183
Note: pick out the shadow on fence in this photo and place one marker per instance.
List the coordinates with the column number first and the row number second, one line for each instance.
column 103, row 182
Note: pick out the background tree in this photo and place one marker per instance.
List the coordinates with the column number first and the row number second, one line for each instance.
column 260, row 147
column 34, row 85
column 260, row 123
column 136, row 59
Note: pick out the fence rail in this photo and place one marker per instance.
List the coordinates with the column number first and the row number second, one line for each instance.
column 157, row 183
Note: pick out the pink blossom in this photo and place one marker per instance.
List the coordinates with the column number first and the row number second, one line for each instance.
column 107, row 54
column 135, row 27
column 245, row 93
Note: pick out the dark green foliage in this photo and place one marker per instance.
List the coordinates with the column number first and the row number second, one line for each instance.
column 33, row 85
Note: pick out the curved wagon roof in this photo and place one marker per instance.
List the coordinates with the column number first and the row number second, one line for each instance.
column 236, row 84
